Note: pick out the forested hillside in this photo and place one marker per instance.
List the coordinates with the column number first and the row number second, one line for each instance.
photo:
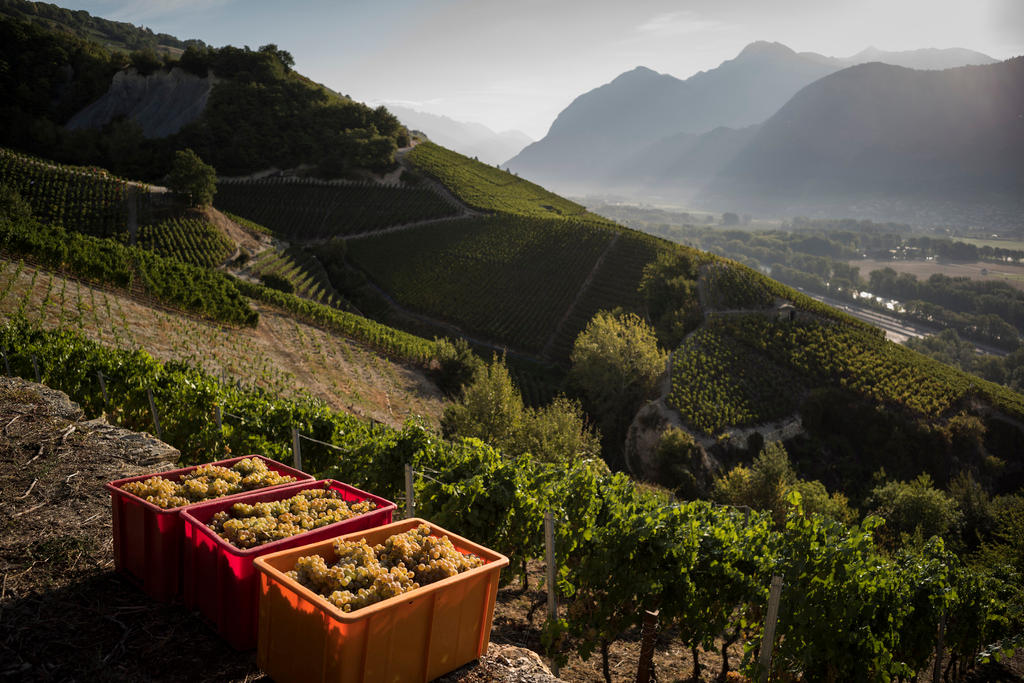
column 261, row 113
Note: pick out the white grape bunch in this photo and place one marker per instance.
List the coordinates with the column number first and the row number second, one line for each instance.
column 247, row 526
column 362, row 574
column 207, row 482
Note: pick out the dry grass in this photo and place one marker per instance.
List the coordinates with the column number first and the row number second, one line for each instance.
column 979, row 270
column 281, row 354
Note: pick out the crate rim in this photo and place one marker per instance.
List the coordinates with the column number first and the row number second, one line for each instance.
column 492, row 561
column 188, row 516
column 115, row 487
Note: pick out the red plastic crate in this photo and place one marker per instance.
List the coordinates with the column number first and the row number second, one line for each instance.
column 220, row 579
column 148, row 538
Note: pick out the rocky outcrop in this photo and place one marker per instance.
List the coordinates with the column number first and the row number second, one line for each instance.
column 504, row 663
column 161, row 103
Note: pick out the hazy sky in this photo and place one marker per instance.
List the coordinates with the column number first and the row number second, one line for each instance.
column 517, row 63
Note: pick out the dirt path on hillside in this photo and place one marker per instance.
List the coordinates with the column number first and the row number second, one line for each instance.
column 234, row 232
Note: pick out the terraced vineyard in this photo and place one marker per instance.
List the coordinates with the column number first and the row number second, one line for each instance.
column 191, row 240
column 717, row 383
column 614, row 284
column 201, row 291
column 282, row 355
column 302, row 271
column 76, row 197
column 730, row 286
column 748, row 369
column 312, row 209
column 490, row 189
column 507, row 278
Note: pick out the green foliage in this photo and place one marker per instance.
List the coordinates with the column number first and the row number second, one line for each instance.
column 12, row 206
column 730, row 286
column 865, row 364
column 309, row 209
column 770, row 481
column 491, row 189
column 208, row 293
column 191, row 240
column 669, row 290
column 914, row 508
column 277, row 282
column 192, row 179
column 118, row 35
column 491, row 409
column 262, row 115
column 37, row 94
column 616, row 364
column 676, row 458
column 849, row 612
column 456, row 365
column 299, row 272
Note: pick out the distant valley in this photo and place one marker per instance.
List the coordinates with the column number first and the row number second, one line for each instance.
column 774, row 132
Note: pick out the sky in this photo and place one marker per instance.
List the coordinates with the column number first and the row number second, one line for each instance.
column 515, row 64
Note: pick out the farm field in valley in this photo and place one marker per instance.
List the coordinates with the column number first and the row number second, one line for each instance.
column 978, row 270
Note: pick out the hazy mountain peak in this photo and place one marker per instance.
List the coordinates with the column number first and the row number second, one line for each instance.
column 764, row 48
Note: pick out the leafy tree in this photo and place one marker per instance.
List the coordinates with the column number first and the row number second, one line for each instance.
column 558, row 432
column 455, row 364
column 769, row 482
column 914, row 508
column 12, row 206
column 491, row 409
column 730, row 218
column 283, row 56
column 676, row 461
column 146, row 61
column 616, row 364
column 193, row 179
column 669, row 289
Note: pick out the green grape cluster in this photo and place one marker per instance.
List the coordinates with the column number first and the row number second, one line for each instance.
column 362, row 574
column 247, row 526
column 206, row 482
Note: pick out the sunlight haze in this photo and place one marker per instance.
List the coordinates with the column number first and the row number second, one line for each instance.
column 517, row 65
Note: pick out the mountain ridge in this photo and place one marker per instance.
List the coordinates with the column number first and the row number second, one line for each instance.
column 603, row 128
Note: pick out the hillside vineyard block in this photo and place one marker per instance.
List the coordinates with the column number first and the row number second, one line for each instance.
column 148, row 538
column 220, row 580
column 414, row 636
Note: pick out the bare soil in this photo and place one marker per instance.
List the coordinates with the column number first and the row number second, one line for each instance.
column 234, row 232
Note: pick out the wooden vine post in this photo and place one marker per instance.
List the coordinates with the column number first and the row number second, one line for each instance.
column 549, row 561
column 410, row 501
column 764, row 657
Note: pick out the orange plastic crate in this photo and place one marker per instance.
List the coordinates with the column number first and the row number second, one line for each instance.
column 148, row 538
column 416, row 636
column 220, row 580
